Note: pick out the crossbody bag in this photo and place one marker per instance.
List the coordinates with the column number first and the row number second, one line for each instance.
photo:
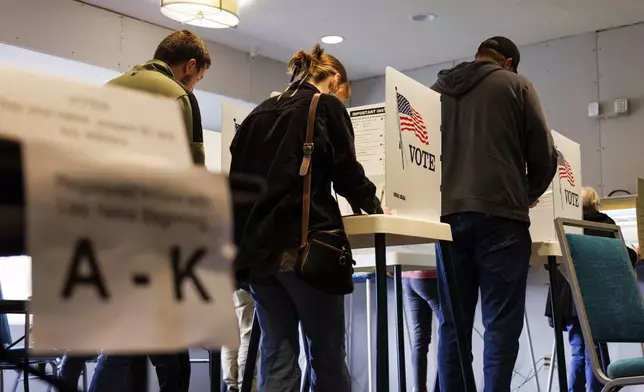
column 324, row 259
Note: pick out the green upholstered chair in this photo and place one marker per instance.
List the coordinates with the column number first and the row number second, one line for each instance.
column 608, row 300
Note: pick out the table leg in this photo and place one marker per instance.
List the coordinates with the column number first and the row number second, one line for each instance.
column 214, row 364
column 454, row 303
column 557, row 324
column 382, row 329
column 553, row 363
column 27, row 343
column 251, row 357
column 349, row 334
column 400, row 333
column 531, row 349
column 139, row 373
column 369, row 338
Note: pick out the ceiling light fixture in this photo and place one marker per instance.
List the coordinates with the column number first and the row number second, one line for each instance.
column 424, row 17
column 214, row 14
column 332, row 39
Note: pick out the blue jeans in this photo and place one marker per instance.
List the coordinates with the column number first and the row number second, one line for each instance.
column 112, row 373
column 490, row 254
column 581, row 369
column 422, row 300
column 281, row 307
column 71, row 368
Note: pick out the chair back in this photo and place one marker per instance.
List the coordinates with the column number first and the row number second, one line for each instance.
column 603, row 282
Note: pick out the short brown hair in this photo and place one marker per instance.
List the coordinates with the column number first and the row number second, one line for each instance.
column 317, row 66
column 182, row 46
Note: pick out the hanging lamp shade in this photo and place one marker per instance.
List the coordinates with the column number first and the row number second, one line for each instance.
column 214, row 14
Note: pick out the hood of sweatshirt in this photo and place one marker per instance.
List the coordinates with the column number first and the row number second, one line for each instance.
column 464, row 77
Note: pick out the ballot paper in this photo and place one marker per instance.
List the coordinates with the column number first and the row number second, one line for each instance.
column 130, row 243
column 541, row 217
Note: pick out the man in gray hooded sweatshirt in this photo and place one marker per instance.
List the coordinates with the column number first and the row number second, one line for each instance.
column 498, row 159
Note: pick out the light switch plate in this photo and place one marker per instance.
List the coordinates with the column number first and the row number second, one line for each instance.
column 621, row 106
column 593, row 109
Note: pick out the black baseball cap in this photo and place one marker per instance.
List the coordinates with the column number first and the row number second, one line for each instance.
column 505, row 47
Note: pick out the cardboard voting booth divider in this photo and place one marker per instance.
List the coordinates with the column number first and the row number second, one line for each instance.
column 212, row 149
column 399, row 145
column 129, row 242
column 232, row 115
column 563, row 197
column 412, row 148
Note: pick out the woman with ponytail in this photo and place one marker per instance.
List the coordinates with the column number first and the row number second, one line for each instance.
column 270, row 144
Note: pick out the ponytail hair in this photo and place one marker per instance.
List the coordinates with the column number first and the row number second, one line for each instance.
column 316, row 66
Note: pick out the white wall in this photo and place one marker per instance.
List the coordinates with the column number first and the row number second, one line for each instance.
column 77, row 31
column 209, row 103
column 570, row 73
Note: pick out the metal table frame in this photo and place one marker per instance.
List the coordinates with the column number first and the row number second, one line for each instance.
column 379, row 232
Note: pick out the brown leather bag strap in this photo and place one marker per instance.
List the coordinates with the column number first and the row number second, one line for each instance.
column 306, row 167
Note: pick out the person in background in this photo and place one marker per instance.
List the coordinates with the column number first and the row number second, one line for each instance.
column 180, row 62
column 498, row 159
column 421, row 294
column 269, row 145
column 233, row 360
column 581, row 378
column 71, row 367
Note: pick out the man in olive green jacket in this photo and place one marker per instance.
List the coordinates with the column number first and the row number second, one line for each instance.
column 179, row 63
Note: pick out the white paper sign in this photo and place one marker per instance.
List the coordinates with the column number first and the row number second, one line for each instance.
column 369, row 138
column 413, row 148
column 101, row 123
column 127, row 258
column 130, row 243
column 563, row 198
column 232, row 115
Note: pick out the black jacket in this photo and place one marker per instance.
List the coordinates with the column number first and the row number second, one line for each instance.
column 269, row 145
column 566, row 301
column 493, row 130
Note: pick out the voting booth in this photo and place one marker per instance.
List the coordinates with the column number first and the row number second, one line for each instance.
column 563, row 197
column 398, row 143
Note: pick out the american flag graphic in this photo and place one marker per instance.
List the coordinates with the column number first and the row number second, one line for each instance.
column 565, row 171
column 411, row 120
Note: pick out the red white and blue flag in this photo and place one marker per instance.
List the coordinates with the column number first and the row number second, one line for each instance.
column 411, row 120
column 565, row 171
